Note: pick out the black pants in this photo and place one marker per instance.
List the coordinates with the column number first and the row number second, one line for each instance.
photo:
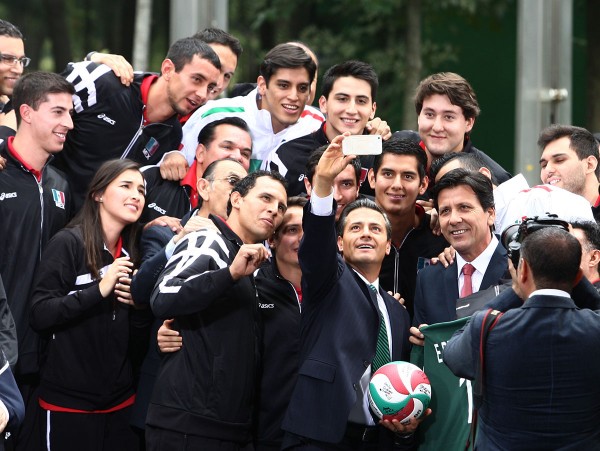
column 158, row 439
column 90, row 431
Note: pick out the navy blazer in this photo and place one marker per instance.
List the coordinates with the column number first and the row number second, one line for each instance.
column 437, row 288
column 541, row 376
column 152, row 245
column 339, row 328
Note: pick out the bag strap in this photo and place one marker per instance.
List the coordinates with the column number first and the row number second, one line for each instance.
column 490, row 319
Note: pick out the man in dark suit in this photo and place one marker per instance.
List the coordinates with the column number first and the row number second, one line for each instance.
column 540, row 386
column 465, row 203
column 343, row 314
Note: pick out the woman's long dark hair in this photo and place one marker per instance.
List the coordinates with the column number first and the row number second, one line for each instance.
column 89, row 220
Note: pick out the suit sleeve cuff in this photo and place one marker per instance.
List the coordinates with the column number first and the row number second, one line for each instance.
column 321, row 206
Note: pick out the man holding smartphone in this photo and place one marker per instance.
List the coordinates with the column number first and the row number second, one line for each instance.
column 348, row 102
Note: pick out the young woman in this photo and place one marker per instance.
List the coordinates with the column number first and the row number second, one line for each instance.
column 81, row 302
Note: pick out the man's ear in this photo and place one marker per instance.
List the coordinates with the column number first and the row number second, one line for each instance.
column 202, row 187
column 167, row 69
column 262, row 85
column 307, row 185
column 388, row 247
column 424, row 185
column 371, row 178
column 372, row 115
column 485, row 171
column 323, row 104
column 592, row 164
column 492, row 216
column 594, row 258
column 200, row 153
column 25, row 111
column 470, row 123
column 236, row 200
column 340, row 243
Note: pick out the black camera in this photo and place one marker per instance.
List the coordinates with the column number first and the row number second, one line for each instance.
column 513, row 235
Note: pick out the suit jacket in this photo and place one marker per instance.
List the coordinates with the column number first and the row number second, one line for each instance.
column 339, row 328
column 541, row 385
column 437, row 288
column 152, row 245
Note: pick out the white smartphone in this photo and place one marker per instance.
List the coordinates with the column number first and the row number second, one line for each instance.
column 362, row 145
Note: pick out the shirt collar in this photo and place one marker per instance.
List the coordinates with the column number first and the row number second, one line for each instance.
column 145, row 88
column 482, row 261
column 375, row 283
column 550, row 292
column 9, row 142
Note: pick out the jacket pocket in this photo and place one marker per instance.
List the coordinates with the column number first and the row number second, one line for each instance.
column 318, row 370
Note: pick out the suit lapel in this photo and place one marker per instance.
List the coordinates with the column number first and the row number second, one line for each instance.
column 496, row 269
column 450, row 276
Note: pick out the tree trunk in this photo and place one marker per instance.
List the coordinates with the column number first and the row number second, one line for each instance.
column 141, row 38
column 414, row 62
column 58, row 32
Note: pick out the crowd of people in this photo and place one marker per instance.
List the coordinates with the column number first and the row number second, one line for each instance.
column 182, row 270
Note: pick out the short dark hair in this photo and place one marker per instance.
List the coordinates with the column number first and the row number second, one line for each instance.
column 479, row 183
column 287, row 56
column 9, row 30
column 207, row 133
column 352, row 68
column 33, row 88
column 554, row 256
column 248, row 182
column 363, row 202
column 296, row 201
column 293, row 201
column 211, row 168
column 401, row 146
column 466, row 160
column 217, row 36
column 458, row 90
column 591, row 231
column 183, row 51
column 582, row 142
column 315, row 156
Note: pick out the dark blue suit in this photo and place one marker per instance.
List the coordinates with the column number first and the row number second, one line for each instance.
column 152, row 245
column 339, row 328
column 541, row 386
column 437, row 288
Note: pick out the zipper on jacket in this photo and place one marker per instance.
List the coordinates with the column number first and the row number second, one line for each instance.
column 41, row 191
column 397, row 261
column 135, row 137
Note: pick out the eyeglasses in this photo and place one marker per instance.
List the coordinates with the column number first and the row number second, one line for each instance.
column 11, row 60
column 232, row 180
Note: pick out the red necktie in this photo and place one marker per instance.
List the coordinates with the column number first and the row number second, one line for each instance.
column 467, row 288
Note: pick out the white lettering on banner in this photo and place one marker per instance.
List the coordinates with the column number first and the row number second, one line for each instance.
column 467, row 383
column 439, row 348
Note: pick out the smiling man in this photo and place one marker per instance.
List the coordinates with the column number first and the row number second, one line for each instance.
column 226, row 138
column 398, row 178
column 275, row 111
column 35, row 205
column 447, row 109
column 139, row 121
column 570, row 161
column 329, row 407
column 204, row 396
column 348, row 100
column 465, row 203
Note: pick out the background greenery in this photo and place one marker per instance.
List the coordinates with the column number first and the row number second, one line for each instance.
column 403, row 39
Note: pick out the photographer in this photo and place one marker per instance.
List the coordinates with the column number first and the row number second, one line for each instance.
column 539, row 383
